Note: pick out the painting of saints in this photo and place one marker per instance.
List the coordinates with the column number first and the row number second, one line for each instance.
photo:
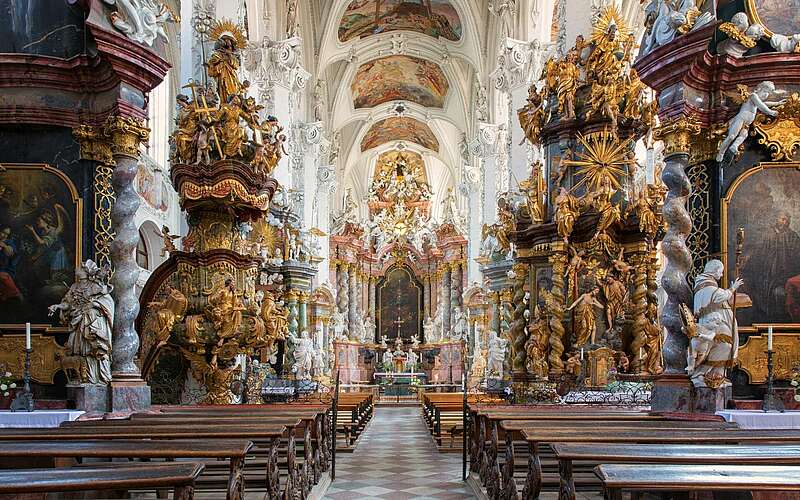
column 399, row 129
column 395, row 78
column 37, row 235
column 779, row 16
column 436, row 18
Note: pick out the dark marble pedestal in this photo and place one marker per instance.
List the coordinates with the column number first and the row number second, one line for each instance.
column 129, row 396
column 89, row 398
column 675, row 393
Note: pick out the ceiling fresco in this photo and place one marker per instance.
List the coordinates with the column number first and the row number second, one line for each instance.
column 437, row 18
column 395, row 78
column 399, row 129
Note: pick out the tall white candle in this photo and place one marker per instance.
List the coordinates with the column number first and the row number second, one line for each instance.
column 581, row 353
column 27, row 336
column 769, row 338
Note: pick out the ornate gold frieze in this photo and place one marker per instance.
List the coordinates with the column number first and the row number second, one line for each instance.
column 224, row 189
column 125, row 134
column 94, row 145
column 103, row 201
column 780, row 134
column 753, row 356
column 46, row 357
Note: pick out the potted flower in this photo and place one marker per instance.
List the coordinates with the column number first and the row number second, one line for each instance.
column 8, row 389
column 795, row 382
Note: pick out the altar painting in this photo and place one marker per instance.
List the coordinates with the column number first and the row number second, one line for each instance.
column 436, row 18
column 400, row 303
column 40, row 219
column 764, row 203
column 399, row 129
column 778, row 16
column 399, row 78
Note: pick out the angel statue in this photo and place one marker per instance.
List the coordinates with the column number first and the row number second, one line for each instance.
column 304, row 355
column 88, row 311
column 169, row 239
column 714, row 339
column 161, row 317
column 141, row 20
column 739, row 126
column 496, row 355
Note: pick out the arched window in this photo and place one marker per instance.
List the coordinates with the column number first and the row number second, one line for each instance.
column 142, row 258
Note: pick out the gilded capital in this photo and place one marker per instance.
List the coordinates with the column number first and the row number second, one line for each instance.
column 303, row 297
column 125, row 134
column 677, row 134
column 93, row 143
column 291, row 296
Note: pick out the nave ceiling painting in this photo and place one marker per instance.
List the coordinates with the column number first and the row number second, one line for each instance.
column 396, row 78
column 399, row 129
column 436, row 18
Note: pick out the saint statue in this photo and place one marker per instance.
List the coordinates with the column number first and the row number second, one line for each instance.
column 225, row 308
column 304, row 355
column 388, row 359
column 428, row 330
column 88, row 310
column 585, row 316
column 223, row 67
column 319, row 366
column 714, row 337
column 369, row 330
column 339, row 326
column 411, row 361
column 496, row 356
column 460, row 327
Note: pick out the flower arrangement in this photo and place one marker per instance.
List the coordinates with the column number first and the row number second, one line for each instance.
column 7, row 384
column 795, row 382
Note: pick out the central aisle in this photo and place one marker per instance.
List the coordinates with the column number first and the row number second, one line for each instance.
column 396, row 460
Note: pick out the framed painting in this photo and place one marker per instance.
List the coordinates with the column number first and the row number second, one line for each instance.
column 763, row 203
column 40, row 240
column 399, row 305
column 777, row 16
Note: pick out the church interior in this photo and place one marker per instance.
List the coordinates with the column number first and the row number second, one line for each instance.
column 397, row 249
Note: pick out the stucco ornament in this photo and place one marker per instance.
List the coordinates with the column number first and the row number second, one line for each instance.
column 141, row 20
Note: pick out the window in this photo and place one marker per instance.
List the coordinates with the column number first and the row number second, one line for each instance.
column 141, row 252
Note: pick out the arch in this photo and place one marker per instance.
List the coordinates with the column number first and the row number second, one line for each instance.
column 149, row 237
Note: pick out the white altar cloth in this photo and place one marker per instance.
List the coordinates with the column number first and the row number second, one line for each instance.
column 756, row 419
column 38, row 419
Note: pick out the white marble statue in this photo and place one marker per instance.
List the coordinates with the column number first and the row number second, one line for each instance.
column 339, row 326
column 358, row 331
column 460, row 327
column 670, row 16
column 714, row 340
column 349, row 213
column 141, row 20
column 438, row 326
column 785, row 43
column 304, row 354
column 88, row 311
column 320, row 366
column 383, row 343
column 415, row 341
column 428, row 330
column 742, row 36
column 369, row 330
column 388, row 359
column 411, row 361
column 739, row 126
column 496, row 356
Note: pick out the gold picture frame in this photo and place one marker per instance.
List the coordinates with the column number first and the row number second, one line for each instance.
column 752, row 11
column 76, row 199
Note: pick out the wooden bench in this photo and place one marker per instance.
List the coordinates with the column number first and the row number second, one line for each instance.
column 234, row 451
column 706, row 478
column 179, row 476
column 566, row 454
column 536, row 437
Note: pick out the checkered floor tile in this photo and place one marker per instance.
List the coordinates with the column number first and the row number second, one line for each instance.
column 397, row 460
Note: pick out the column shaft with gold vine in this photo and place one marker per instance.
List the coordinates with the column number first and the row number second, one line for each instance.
column 518, row 334
column 447, row 283
column 554, row 305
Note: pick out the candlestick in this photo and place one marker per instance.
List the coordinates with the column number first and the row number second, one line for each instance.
column 769, row 338
column 24, row 398
column 27, row 336
column 771, row 402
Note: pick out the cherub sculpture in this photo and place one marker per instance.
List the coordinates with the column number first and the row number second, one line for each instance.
column 739, row 126
column 168, row 241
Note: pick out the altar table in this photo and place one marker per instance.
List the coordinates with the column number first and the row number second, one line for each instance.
column 757, row 419
column 39, row 419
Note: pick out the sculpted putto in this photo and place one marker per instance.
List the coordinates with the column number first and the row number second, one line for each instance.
column 739, row 126
column 88, row 310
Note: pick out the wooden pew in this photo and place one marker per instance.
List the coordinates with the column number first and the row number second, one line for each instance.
column 706, row 478
column 604, row 453
column 269, row 434
column 179, row 476
column 536, row 437
column 234, row 451
column 354, row 411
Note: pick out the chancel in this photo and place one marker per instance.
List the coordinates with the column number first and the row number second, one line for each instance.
column 502, row 249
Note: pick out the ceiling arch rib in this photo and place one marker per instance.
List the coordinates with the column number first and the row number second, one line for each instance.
column 436, row 18
column 399, row 128
column 399, row 77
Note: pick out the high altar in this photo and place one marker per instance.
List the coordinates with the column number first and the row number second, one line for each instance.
column 398, row 277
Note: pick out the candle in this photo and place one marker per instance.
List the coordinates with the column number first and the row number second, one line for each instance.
column 769, row 338
column 28, row 336
column 581, row 353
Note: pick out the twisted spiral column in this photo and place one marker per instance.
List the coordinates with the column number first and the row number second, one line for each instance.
column 455, row 288
column 343, row 281
column 556, row 312
column 677, row 140
column 447, row 283
column 518, row 334
column 639, row 300
column 352, row 300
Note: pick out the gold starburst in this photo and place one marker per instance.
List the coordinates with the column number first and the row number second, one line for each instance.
column 610, row 15
column 603, row 158
column 227, row 28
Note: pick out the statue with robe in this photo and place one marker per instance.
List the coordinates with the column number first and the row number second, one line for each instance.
column 460, row 328
column 88, row 310
column 339, row 326
column 428, row 330
column 304, row 355
column 496, row 356
column 223, row 67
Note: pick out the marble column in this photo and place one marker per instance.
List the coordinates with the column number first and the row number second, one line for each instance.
column 426, row 297
column 371, row 298
column 496, row 312
column 342, row 292
column 447, row 282
column 456, row 278
column 291, row 303
column 128, row 391
column 352, row 300
column 302, row 312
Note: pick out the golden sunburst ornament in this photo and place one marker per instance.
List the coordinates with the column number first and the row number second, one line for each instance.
column 609, row 16
column 604, row 158
column 227, row 28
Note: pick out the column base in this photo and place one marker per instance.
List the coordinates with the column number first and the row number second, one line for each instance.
column 88, row 397
column 129, row 396
column 676, row 393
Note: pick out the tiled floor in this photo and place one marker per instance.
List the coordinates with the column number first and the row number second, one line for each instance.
column 397, row 460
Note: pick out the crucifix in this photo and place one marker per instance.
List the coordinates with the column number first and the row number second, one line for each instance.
column 399, row 322
column 206, row 110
